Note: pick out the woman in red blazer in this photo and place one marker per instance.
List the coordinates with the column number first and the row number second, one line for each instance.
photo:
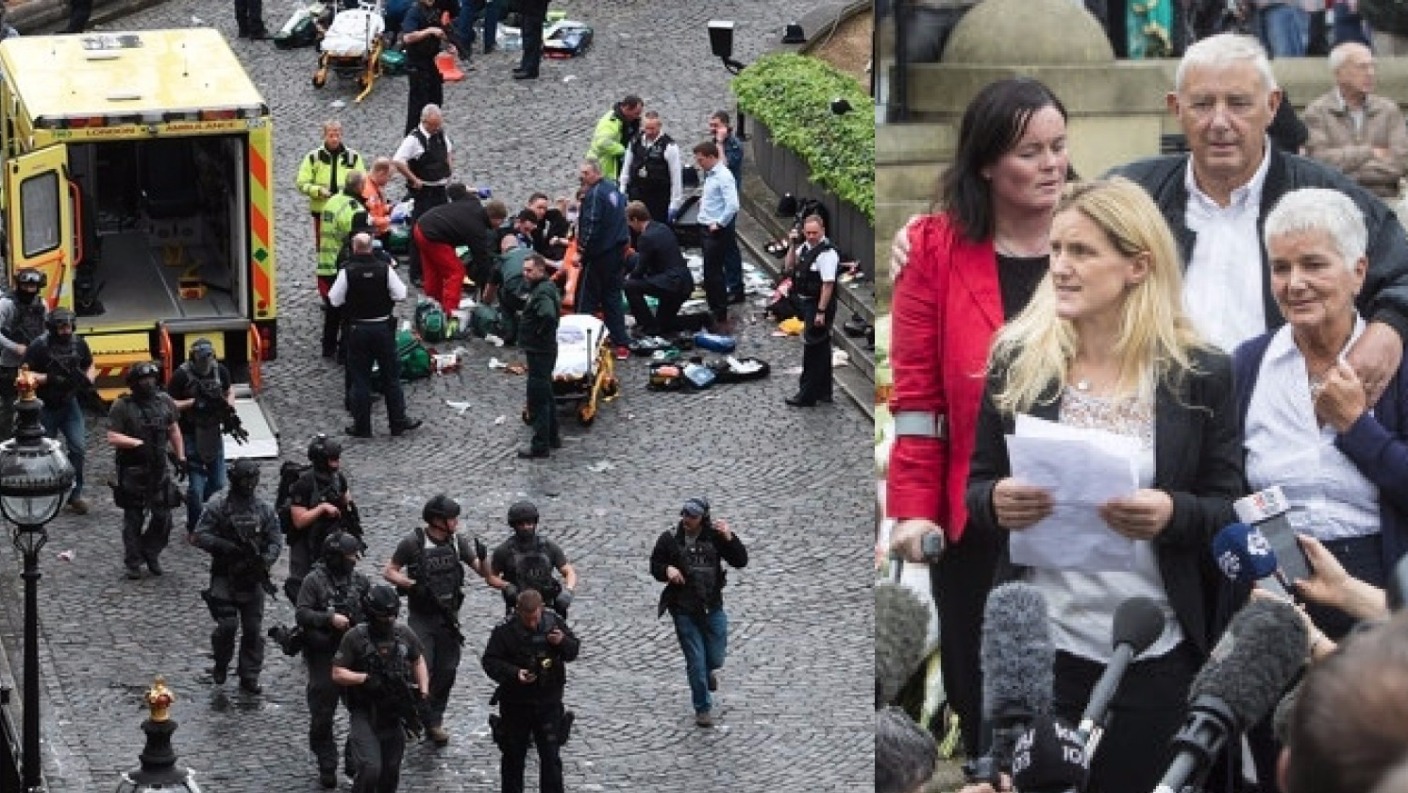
column 972, row 266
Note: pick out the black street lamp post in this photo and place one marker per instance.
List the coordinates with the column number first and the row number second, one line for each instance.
column 159, row 773
column 35, row 480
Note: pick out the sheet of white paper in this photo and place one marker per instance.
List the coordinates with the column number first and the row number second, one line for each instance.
column 1084, row 468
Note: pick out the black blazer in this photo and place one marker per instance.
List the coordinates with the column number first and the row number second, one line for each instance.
column 1197, row 460
column 658, row 255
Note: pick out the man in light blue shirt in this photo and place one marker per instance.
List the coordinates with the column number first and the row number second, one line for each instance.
column 717, row 208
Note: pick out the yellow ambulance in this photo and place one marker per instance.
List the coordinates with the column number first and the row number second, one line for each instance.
column 139, row 177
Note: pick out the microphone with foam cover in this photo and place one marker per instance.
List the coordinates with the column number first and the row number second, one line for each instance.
column 901, row 633
column 1244, row 555
column 1259, row 655
column 1017, row 656
column 1139, row 622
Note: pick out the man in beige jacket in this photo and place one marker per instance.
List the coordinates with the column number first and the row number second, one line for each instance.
column 1353, row 130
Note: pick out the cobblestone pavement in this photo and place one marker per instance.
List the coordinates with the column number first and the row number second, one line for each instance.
column 793, row 709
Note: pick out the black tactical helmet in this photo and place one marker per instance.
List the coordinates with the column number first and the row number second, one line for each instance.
column 339, row 544
column 203, row 348
column 522, row 512
column 440, row 507
column 59, row 317
column 244, row 474
column 381, row 601
column 31, row 277
column 323, row 449
column 143, row 369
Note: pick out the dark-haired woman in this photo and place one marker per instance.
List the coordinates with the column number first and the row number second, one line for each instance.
column 972, row 266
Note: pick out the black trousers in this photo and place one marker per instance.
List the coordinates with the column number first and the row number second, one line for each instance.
column 541, row 406
column 247, row 617
column 960, row 583
column 374, row 343
column 426, row 199
column 1146, row 712
column 140, row 546
column 541, row 722
column 442, row 658
column 322, row 696
column 249, row 15
column 334, row 336
column 425, row 86
column 532, row 28
column 374, row 750
column 666, row 311
column 716, row 245
column 816, row 379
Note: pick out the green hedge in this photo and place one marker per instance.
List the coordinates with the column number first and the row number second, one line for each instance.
column 791, row 94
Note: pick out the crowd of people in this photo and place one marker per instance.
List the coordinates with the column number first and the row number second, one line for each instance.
column 1234, row 316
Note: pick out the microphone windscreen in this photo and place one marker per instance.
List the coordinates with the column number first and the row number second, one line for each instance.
column 901, row 633
column 1260, row 653
column 905, row 753
column 1139, row 622
column 1016, row 653
column 1285, row 711
column 1049, row 756
column 1243, row 554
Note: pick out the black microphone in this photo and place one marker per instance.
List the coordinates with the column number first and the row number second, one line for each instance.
column 901, row 633
column 1017, row 656
column 1139, row 622
column 905, row 753
column 1261, row 652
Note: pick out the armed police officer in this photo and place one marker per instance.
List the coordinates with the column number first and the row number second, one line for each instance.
column 381, row 665
column 526, row 561
column 64, row 368
column 429, row 563
column 329, row 604
column 320, row 503
column 201, row 389
column 241, row 533
column 527, row 656
column 689, row 560
column 22, row 315
column 142, row 427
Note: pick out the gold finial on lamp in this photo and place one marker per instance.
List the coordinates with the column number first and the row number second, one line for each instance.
column 159, row 699
column 25, row 383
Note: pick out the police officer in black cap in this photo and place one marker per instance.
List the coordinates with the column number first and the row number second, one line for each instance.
column 526, row 561
column 241, row 533
column 429, row 565
column 201, row 388
column 379, row 663
column 689, row 560
column 527, row 656
column 141, row 427
column 22, row 315
column 329, row 604
column 320, row 504
column 64, row 368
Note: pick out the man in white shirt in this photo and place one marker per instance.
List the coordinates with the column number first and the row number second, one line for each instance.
column 812, row 266
column 651, row 172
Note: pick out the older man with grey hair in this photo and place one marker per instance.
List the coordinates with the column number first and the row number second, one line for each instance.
column 1214, row 198
column 1356, row 131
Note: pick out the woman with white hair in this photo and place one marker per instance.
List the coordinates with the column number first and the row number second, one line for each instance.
column 1308, row 426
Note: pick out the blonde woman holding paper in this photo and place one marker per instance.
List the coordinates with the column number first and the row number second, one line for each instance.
column 1104, row 344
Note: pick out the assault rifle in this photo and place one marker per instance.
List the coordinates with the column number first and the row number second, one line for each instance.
column 452, row 619
column 398, row 694
column 250, row 546
column 210, row 400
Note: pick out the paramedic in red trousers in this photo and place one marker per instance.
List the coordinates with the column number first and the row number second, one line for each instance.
column 367, row 290
column 812, row 266
column 718, row 206
column 602, row 236
column 462, row 222
column 425, row 160
column 323, row 171
column 690, row 559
